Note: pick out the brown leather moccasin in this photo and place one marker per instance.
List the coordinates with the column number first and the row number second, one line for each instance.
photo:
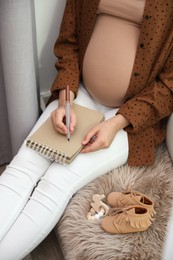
column 130, row 197
column 128, row 220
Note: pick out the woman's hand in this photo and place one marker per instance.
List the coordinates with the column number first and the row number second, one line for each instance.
column 102, row 135
column 58, row 119
column 58, row 115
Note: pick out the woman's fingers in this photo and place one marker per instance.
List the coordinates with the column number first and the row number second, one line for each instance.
column 57, row 117
column 58, row 120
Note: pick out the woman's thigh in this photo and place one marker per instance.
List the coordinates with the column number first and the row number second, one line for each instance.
column 61, row 182
column 57, row 183
column 52, row 194
column 67, row 179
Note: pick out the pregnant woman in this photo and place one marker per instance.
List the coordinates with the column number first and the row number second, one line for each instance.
column 116, row 56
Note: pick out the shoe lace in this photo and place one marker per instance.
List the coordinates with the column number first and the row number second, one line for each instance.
column 134, row 193
column 115, row 211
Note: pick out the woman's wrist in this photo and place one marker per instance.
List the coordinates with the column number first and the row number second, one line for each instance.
column 62, row 97
column 120, row 121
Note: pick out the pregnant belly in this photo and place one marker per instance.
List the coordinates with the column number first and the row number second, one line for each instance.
column 109, row 59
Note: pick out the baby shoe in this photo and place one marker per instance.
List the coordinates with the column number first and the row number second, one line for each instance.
column 128, row 220
column 130, row 197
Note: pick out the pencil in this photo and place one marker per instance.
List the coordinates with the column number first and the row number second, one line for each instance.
column 68, row 111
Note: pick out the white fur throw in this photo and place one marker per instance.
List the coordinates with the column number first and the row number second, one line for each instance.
column 82, row 239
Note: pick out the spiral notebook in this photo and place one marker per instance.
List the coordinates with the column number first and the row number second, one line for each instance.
column 54, row 145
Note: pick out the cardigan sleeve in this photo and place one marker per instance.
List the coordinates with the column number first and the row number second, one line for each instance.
column 67, row 51
column 154, row 103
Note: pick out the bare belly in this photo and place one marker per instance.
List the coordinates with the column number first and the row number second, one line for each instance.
column 109, row 59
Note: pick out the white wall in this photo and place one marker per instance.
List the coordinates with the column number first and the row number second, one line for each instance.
column 168, row 248
column 48, row 15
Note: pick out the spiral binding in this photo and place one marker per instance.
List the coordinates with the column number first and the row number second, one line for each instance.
column 47, row 152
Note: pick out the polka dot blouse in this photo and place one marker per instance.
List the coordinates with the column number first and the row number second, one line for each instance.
column 149, row 98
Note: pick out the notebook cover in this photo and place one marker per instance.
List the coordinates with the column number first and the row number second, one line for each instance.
column 47, row 137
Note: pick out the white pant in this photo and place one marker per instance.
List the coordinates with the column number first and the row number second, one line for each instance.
column 34, row 192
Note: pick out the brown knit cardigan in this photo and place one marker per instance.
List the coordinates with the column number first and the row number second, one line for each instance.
column 149, row 98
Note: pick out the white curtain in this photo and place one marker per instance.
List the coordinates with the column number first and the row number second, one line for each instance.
column 19, row 106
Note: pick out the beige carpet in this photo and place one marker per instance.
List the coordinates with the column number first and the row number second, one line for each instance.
column 85, row 240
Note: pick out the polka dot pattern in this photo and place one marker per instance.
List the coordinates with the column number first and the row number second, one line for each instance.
column 149, row 98
column 150, row 93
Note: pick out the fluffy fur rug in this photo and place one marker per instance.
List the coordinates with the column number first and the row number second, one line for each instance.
column 82, row 239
